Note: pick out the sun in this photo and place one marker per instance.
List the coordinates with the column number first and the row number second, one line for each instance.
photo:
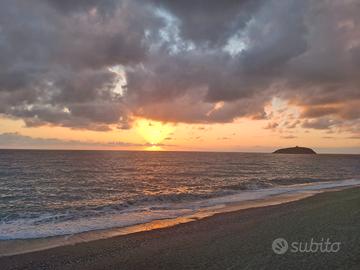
column 153, row 132
column 154, row 148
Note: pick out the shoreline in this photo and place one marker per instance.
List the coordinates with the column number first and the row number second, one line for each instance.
column 24, row 246
column 233, row 240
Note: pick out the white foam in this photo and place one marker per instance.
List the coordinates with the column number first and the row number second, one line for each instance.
column 25, row 229
column 264, row 193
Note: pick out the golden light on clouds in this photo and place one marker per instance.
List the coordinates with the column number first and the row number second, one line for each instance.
column 153, row 132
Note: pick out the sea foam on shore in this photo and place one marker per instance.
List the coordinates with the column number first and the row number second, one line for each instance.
column 37, row 228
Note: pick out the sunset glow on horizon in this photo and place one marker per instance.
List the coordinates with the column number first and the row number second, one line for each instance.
column 244, row 135
column 153, row 132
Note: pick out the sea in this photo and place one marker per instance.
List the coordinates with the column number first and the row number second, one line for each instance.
column 47, row 193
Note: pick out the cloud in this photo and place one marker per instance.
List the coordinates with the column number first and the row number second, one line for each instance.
column 271, row 125
column 56, row 64
column 283, row 47
column 97, row 64
column 320, row 123
column 82, row 5
column 314, row 112
column 210, row 22
column 223, row 138
column 289, row 137
column 16, row 140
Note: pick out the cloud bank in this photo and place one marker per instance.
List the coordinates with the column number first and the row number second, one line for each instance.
column 97, row 64
column 14, row 140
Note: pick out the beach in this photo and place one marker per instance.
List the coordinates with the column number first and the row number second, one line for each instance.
column 234, row 240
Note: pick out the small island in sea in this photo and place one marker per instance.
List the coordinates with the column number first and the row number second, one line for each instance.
column 295, row 150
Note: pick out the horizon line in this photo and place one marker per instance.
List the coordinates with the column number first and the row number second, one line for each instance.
column 164, row 150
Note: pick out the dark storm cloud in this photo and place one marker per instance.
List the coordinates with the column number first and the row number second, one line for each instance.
column 294, row 49
column 180, row 61
column 81, row 5
column 210, row 22
column 55, row 58
column 195, row 79
column 314, row 112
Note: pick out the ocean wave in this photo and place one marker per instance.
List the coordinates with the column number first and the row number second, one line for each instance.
column 39, row 225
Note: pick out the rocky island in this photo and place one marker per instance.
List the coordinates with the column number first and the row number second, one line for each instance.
column 295, row 150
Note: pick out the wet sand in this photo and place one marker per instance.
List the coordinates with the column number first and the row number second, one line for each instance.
column 235, row 240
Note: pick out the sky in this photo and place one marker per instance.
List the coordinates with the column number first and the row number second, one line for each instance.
column 236, row 75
